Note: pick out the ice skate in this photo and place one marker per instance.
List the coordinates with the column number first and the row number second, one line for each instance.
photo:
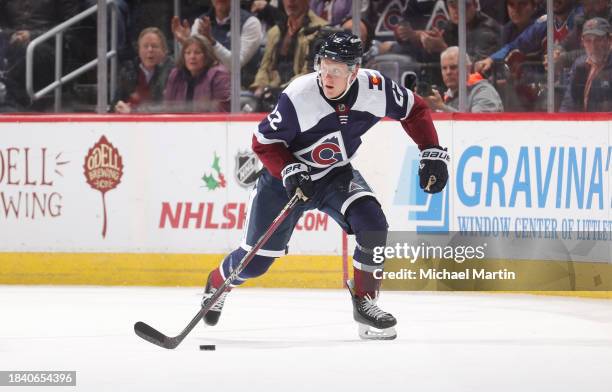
column 374, row 323
column 214, row 281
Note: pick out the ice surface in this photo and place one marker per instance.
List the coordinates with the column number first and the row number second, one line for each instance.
column 305, row 340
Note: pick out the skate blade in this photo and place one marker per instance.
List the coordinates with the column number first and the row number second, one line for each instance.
column 370, row 333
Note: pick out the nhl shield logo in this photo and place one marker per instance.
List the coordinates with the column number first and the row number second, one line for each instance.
column 247, row 168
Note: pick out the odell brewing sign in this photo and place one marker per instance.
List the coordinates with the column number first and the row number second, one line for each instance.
column 28, row 176
column 103, row 170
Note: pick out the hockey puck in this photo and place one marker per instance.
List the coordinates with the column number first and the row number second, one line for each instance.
column 208, row 347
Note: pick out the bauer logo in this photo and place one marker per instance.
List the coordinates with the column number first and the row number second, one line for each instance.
column 429, row 212
column 103, row 169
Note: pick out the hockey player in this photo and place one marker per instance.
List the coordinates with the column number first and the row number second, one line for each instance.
column 307, row 143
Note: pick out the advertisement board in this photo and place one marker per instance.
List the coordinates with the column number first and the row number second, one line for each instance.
column 530, row 177
column 170, row 186
column 153, row 187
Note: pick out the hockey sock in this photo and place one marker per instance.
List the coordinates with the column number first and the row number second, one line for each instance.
column 368, row 222
column 216, row 280
column 365, row 283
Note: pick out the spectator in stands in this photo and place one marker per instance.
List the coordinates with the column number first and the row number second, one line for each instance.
column 333, row 11
column 522, row 14
column 199, row 82
column 590, row 82
column 430, row 28
column 215, row 26
column 268, row 14
column 541, row 4
column 533, row 38
column 598, row 8
column 591, row 9
column 158, row 13
column 287, row 49
column 22, row 21
column 571, row 48
column 492, row 8
column 482, row 96
column 407, row 15
column 142, row 82
column 398, row 32
column 26, row 20
column 416, row 18
column 483, row 32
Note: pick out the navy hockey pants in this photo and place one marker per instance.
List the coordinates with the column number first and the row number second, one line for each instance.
column 343, row 194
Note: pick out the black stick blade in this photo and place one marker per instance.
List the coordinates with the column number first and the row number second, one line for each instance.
column 152, row 335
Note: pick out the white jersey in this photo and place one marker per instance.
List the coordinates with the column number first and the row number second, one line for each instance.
column 323, row 133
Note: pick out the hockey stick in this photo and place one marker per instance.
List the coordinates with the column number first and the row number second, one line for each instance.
column 152, row 335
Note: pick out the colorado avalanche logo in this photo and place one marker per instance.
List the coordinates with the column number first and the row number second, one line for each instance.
column 393, row 15
column 439, row 16
column 390, row 18
column 326, row 152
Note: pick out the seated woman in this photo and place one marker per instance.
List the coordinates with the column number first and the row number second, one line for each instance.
column 142, row 82
column 198, row 83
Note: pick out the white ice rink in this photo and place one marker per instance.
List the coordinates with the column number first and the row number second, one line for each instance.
column 305, row 340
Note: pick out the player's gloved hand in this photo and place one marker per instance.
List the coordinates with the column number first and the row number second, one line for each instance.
column 433, row 171
column 295, row 175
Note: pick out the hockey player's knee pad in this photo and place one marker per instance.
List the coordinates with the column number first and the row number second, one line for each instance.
column 256, row 267
column 368, row 222
column 365, row 214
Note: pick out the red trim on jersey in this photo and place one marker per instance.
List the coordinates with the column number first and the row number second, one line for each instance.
column 523, row 116
column 419, row 126
column 144, row 118
column 274, row 156
column 256, row 117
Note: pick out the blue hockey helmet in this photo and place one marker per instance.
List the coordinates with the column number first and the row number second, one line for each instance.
column 343, row 47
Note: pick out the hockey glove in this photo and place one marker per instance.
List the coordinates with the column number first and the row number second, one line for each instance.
column 433, row 171
column 295, row 175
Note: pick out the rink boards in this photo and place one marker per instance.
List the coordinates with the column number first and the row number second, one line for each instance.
column 158, row 200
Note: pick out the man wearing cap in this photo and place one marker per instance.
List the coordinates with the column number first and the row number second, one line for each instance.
column 590, row 84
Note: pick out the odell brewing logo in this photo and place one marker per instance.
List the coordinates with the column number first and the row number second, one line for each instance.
column 103, row 170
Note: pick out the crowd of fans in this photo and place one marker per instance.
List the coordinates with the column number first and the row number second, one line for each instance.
column 412, row 41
